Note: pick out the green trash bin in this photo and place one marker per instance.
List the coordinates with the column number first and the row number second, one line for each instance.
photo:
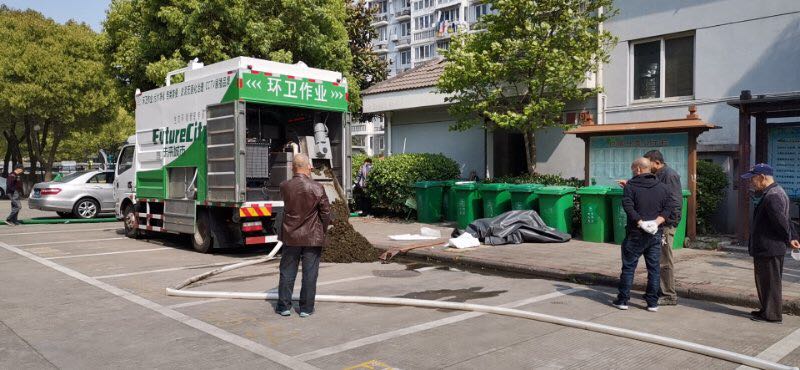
column 556, row 206
column 680, row 231
column 429, row 201
column 448, row 200
column 524, row 197
column 468, row 203
column 496, row 199
column 595, row 217
column 618, row 215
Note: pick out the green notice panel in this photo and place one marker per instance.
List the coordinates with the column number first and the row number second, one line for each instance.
column 468, row 203
column 429, row 201
column 496, row 199
column 556, row 206
column 524, row 197
column 595, row 217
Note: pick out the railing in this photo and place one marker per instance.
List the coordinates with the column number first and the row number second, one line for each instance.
column 404, row 40
column 440, row 3
column 423, row 35
column 403, row 13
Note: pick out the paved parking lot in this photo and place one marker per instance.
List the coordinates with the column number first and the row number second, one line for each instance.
column 83, row 296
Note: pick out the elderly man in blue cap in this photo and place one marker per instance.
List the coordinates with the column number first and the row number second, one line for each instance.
column 771, row 233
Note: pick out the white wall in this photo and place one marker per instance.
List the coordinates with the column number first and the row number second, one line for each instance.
column 427, row 131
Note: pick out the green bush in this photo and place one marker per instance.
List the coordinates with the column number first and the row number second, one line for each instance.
column 392, row 179
column 539, row 178
column 711, row 184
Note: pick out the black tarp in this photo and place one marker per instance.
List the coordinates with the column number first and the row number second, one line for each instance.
column 514, row 227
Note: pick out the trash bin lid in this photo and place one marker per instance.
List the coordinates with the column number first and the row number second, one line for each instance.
column 465, row 185
column 594, row 190
column 448, row 183
column 427, row 184
column 615, row 191
column 493, row 187
column 524, row 188
column 686, row 192
column 555, row 190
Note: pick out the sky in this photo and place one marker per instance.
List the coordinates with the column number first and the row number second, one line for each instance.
column 91, row 12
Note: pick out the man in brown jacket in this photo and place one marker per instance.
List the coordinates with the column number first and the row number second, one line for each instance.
column 306, row 217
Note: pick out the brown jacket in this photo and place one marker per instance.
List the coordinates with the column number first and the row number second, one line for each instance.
column 306, row 212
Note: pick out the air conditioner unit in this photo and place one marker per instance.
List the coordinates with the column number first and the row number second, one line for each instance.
column 394, row 37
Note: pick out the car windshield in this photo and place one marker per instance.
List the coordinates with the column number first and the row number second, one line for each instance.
column 72, row 176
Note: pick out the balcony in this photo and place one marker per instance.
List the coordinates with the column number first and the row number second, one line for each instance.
column 445, row 3
column 380, row 20
column 403, row 42
column 403, row 15
column 380, row 47
column 424, row 35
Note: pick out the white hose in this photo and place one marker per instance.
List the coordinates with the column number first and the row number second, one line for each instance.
column 578, row 324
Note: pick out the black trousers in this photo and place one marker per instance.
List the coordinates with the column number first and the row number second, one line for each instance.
column 769, row 273
column 290, row 259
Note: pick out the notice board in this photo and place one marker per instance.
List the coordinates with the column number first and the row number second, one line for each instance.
column 784, row 157
column 610, row 157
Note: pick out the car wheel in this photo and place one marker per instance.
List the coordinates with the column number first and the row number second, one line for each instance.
column 202, row 239
column 131, row 222
column 64, row 214
column 86, row 208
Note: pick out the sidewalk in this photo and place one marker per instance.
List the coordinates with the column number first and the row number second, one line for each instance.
column 722, row 277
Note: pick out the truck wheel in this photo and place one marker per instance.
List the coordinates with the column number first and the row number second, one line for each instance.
column 202, row 239
column 86, row 208
column 131, row 222
column 64, row 214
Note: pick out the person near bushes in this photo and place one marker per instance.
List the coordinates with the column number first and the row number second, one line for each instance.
column 647, row 206
column 362, row 196
column 771, row 233
column 14, row 190
column 306, row 218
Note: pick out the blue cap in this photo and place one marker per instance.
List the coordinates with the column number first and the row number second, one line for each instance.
column 759, row 169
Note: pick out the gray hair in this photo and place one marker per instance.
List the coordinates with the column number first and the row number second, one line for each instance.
column 300, row 161
column 642, row 163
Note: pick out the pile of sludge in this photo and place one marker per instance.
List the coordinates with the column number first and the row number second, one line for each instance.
column 345, row 244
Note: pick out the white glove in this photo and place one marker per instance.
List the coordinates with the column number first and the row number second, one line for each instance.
column 650, row 227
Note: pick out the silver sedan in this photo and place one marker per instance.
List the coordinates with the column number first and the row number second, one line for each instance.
column 80, row 194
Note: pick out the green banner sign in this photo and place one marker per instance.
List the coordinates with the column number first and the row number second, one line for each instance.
column 286, row 91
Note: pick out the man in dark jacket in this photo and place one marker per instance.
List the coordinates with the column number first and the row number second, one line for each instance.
column 771, row 233
column 14, row 190
column 646, row 203
column 306, row 218
column 672, row 181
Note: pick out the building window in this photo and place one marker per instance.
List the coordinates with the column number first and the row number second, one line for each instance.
column 405, row 57
column 382, row 34
column 479, row 11
column 423, row 22
column 405, row 29
column 663, row 68
column 371, row 142
column 444, row 45
column 381, row 6
column 450, row 14
column 424, row 52
column 381, row 145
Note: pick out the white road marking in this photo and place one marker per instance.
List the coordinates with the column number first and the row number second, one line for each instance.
column 69, row 241
column 203, row 326
column 780, row 349
column 57, row 231
column 196, row 303
column 422, row 327
column 108, row 253
column 163, row 270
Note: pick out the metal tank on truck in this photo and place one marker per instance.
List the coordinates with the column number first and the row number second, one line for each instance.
column 209, row 153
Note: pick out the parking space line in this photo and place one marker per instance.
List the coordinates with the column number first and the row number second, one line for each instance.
column 163, row 270
column 107, row 253
column 69, row 241
column 323, row 352
column 254, row 347
column 780, row 349
column 58, row 231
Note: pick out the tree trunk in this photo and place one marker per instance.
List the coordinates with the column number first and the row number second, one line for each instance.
column 530, row 151
column 51, row 156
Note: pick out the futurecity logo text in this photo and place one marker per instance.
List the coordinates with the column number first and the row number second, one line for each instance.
column 174, row 140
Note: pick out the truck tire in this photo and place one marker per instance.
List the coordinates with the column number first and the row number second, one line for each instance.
column 202, row 239
column 131, row 222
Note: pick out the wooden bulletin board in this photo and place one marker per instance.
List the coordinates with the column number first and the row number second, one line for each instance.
column 610, row 157
column 784, row 157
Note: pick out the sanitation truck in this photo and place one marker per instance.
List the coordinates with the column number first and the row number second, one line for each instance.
column 210, row 152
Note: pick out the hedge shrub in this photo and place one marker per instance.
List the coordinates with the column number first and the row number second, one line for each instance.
column 539, row 178
column 711, row 184
column 392, row 179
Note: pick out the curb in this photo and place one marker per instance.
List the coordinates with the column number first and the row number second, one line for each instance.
column 704, row 293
